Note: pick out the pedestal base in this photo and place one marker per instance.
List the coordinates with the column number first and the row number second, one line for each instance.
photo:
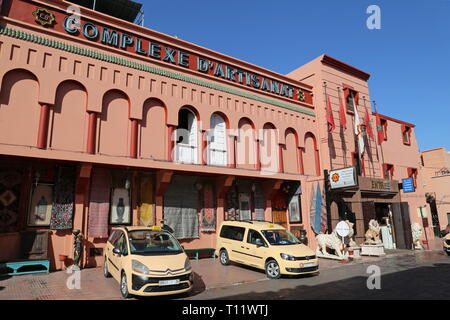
column 376, row 250
column 331, row 256
column 355, row 252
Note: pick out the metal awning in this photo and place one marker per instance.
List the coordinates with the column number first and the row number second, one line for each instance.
column 123, row 9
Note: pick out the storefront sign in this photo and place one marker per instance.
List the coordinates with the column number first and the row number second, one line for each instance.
column 408, row 185
column 378, row 184
column 343, row 178
column 171, row 55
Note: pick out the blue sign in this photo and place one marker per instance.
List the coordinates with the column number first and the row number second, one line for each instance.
column 408, row 185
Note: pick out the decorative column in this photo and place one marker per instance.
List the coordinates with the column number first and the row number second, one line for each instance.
column 204, row 148
column 171, row 142
column 258, row 155
column 92, row 133
column 231, row 151
column 280, row 158
column 301, row 168
column 134, row 138
column 43, row 127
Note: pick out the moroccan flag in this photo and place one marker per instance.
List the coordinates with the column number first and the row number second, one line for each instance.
column 380, row 130
column 330, row 118
column 343, row 119
column 368, row 125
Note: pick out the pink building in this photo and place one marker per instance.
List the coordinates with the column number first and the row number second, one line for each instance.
column 105, row 123
column 381, row 166
column 436, row 171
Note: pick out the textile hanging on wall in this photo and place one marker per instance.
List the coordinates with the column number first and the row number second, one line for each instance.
column 208, row 211
column 10, row 182
column 99, row 203
column 180, row 207
column 63, row 204
column 120, row 206
column 146, row 210
column 41, row 205
column 259, row 203
column 232, row 204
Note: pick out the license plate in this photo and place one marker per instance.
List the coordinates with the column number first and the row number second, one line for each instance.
column 307, row 265
column 169, row 282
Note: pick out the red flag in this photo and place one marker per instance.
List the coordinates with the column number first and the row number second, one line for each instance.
column 380, row 130
column 368, row 126
column 342, row 114
column 330, row 118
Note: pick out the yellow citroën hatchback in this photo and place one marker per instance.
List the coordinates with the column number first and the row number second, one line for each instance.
column 147, row 261
column 266, row 246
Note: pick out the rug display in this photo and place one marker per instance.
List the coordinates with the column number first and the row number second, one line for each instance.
column 99, row 203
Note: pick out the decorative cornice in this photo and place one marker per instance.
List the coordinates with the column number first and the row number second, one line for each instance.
column 22, row 35
column 345, row 67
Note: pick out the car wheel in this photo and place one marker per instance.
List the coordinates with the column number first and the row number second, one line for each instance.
column 273, row 269
column 106, row 273
column 224, row 259
column 124, row 286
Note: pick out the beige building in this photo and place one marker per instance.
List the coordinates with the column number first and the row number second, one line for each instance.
column 436, row 172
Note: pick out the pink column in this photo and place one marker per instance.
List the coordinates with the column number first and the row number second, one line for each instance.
column 280, row 157
column 231, row 152
column 171, row 143
column 92, row 128
column 43, row 127
column 134, row 138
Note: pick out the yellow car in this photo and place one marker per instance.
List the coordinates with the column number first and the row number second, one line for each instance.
column 447, row 244
column 147, row 261
column 265, row 246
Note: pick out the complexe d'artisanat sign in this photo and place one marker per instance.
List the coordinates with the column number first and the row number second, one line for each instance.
column 158, row 51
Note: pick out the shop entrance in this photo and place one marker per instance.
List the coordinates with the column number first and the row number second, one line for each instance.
column 383, row 213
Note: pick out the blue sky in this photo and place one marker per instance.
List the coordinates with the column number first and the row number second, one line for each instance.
column 408, row 58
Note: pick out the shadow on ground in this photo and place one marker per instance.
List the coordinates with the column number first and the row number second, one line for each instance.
column 419, row 283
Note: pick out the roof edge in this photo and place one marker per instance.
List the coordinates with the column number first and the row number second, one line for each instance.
column 328, row 60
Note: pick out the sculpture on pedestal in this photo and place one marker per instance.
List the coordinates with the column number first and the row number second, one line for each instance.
column 373, row 234
column 332, row 241
column 417, row 231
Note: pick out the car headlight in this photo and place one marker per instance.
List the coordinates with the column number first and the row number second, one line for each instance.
column 187, row 264
column 286, row 256
column 139, row 267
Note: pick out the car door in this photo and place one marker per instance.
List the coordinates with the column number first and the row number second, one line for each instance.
column 114, row 260
column 109, row 251
column 255, row 248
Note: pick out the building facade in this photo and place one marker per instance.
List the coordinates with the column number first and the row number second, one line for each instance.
column 105, row 123
column 436, row 170
column 381, row 159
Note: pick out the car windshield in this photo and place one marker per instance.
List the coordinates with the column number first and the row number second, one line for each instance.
column 280, row 237
column 149, row 242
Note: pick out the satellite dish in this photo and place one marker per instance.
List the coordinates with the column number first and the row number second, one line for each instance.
column 343, row 229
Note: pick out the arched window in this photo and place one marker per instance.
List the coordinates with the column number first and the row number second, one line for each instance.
column 246, row 146
column 187, row 137
column 217, row 138
column 269, row 148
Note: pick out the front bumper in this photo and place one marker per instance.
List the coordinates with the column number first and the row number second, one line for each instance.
column 447, row 249
column 149, row 286
column 300, row 267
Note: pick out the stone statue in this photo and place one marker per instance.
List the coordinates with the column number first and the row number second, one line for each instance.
column 373, row 234
column 352, row 243
column 78, row 247
column 417, row 231
column 331, row 241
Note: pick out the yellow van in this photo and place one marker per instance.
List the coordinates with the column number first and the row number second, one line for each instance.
column 147, row 261
column 265, row 246
column 447, row 243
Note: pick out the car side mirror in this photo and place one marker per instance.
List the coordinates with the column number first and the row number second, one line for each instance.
column 117, row 251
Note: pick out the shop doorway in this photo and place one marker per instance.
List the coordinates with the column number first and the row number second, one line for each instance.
column 402, row 225
column 384, row 217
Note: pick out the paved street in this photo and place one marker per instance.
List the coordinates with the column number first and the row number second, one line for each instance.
column 424, row 275
column 404, row 275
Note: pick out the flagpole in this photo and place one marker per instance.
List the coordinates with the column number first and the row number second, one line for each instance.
column 368, row 139
column 342, row 128
column 328, row 130
column 381, row 144
column 356, row 138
